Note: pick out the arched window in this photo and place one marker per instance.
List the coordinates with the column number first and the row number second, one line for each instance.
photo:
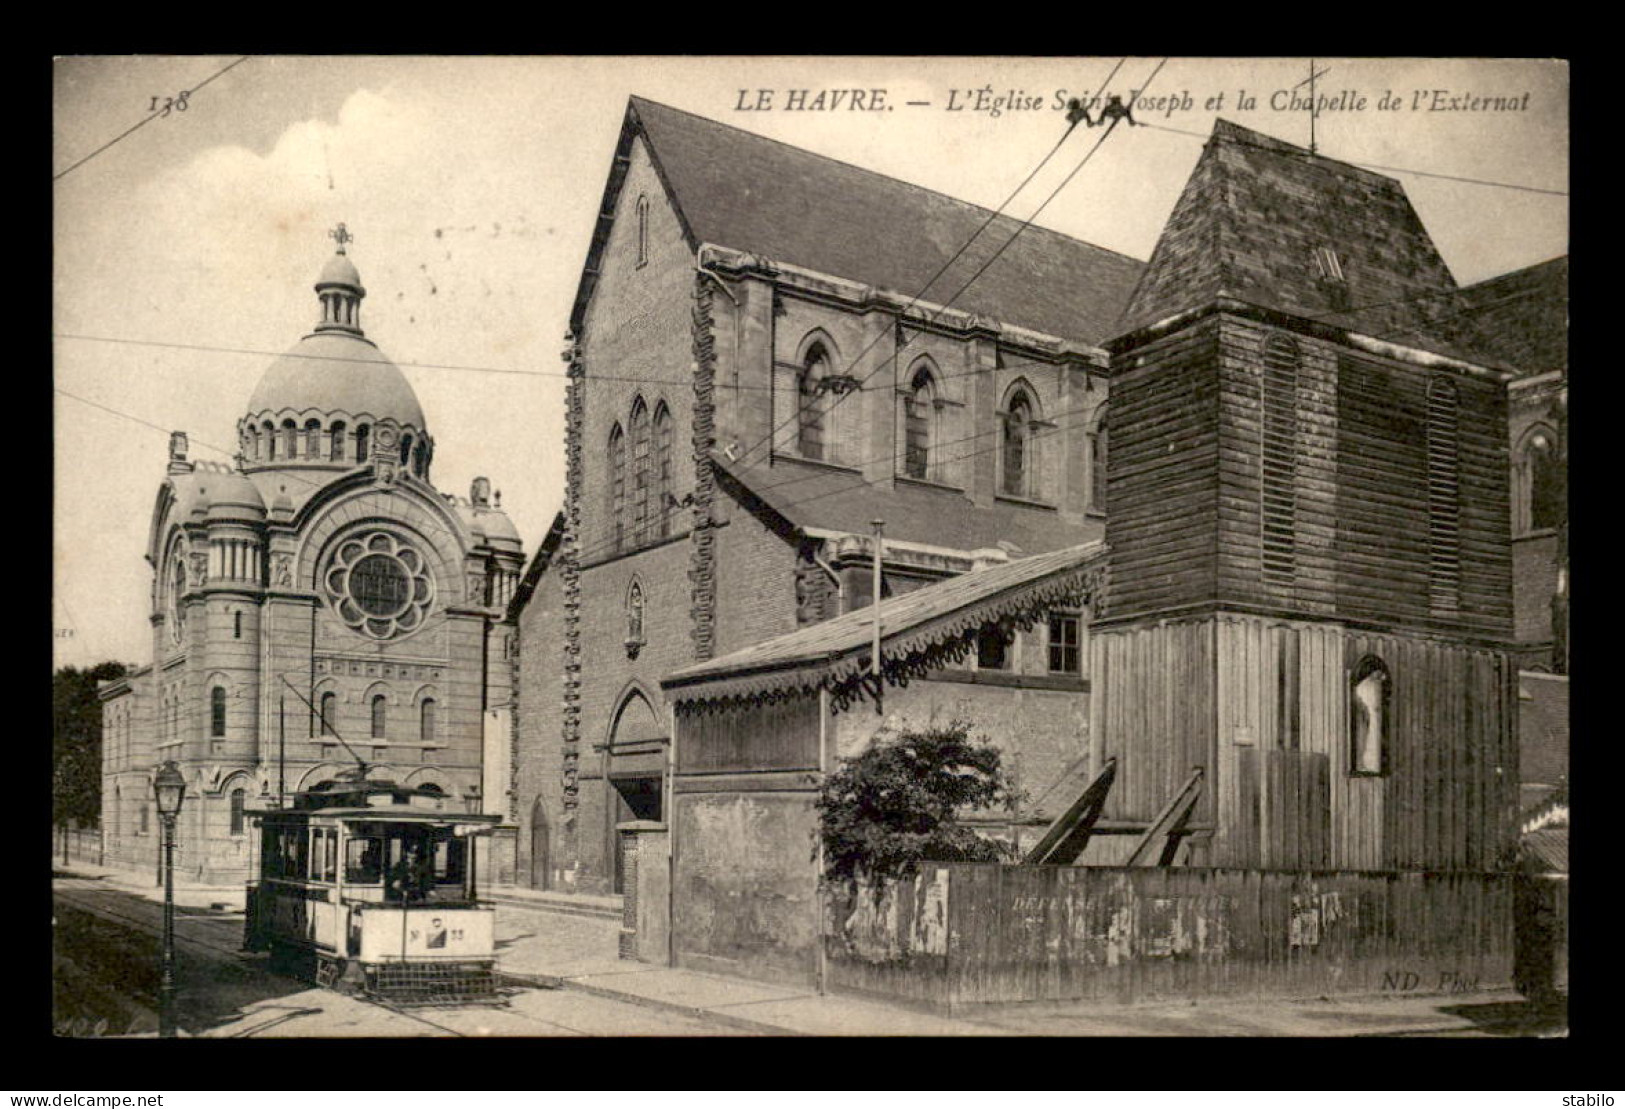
column 238, row 798
column 617, row 487
column 1370, row 699
column 271, row 452
column 642, row 478
column 362, row 434
column 420, row 458
column 919, row 414
column 1097, row 464
column 812, row 400
column 643, row 230
column 664, row 501
column 145, row 809
column 1542, row 494
column 290, row 439
column 217, row 712
column 335, row 447
column 1018, row 421
column 406, row 449
column 236, row 625
column 329, row 709
column 313, row 439
column 380, row 717
column 426, row 722
column 255, row 442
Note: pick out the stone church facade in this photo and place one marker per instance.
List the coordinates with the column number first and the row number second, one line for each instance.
column 315, row 604
column 753, row 382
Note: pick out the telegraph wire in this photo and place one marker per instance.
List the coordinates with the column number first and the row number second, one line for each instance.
column 147, row 120
column 608, row 546
column 1362, row 165
column 622, row 378
column 857, row 358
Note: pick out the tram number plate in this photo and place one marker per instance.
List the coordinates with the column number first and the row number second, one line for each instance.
column 438, row 935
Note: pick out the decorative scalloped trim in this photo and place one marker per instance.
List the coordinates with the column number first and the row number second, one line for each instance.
column 932, row 645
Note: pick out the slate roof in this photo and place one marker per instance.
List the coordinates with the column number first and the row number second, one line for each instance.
column 1521, row 318
column 1543, row 728
column 838, row 650
column 754, row 194
column 811, row 496
column 1248, row 226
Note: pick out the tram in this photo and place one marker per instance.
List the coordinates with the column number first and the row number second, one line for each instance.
column 369, row 885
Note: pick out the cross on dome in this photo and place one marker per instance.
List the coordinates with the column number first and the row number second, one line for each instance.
column 341, row 236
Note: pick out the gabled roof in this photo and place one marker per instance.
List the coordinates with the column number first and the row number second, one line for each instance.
column 920, row 630
column 736, row 189
column 539, row 562
column 812, row 496
column 1521, row 318
column 1250, row 221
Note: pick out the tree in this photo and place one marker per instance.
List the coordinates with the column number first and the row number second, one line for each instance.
column 76, row 743
column 896, row 805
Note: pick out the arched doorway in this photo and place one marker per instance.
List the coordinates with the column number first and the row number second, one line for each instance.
column 540, row 860
column 635, row 763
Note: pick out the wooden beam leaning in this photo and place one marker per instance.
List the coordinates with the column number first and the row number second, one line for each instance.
column 1169, row 826
column 1065, row 840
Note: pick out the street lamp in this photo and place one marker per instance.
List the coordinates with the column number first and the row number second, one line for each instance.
column 170, row 789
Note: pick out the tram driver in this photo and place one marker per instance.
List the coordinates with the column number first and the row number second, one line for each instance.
column 411, row 878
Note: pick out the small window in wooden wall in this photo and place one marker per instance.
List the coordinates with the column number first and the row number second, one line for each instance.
column 1444, row 495
column 1278, row 459
column 1370, row 715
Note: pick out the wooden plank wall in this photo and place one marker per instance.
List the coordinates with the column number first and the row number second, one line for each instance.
column 1452, row 759
column 1046, row 934
column 1162, row 482
column 1382, row 498
column 1314, row 486
column 781, row 735
column 1210, row 692
column 1152, row 706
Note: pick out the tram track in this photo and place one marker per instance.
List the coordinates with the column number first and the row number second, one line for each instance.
column 193, row 935
column 83, row 898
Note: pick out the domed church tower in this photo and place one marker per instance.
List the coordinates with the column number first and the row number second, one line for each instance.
column 315, row 605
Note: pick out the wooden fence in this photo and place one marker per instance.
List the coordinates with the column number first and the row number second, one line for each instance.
column 965, row 934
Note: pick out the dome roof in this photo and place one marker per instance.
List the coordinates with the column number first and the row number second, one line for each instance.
column 231, row 494
column 339, row 271
column 337, row 372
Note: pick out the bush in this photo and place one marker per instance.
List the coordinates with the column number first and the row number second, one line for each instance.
column 884, row 812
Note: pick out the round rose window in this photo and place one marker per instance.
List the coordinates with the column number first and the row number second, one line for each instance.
column 379, row 585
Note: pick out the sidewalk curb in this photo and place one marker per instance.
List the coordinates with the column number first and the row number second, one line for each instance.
column 728, row 1020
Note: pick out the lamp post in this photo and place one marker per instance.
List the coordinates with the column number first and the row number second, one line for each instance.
column 170, row 789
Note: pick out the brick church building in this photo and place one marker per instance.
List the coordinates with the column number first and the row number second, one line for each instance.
column 316, row 603
column 753, row 382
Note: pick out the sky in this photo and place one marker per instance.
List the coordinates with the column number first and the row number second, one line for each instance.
column 186, row 248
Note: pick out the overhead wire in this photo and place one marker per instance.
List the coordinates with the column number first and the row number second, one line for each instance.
column 1305, row 155
column 1024, row 224
column 154, row 115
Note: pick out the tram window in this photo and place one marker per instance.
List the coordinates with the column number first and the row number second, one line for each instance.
column 298, row 854
column 449, row 861
column 363, row 861
column 330, row 857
